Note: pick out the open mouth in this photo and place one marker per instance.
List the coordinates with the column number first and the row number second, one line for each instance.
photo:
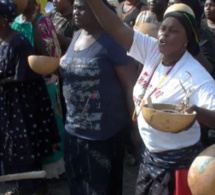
column 162, row 41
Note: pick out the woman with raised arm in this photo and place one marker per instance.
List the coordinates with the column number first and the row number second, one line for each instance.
column 167, row 156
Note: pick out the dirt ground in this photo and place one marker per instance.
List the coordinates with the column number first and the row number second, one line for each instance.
column 130, row 175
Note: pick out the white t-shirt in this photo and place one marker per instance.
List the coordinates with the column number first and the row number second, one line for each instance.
column 145, row 50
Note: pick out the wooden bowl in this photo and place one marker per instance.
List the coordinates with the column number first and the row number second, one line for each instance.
column 21, row 5
column 43, row 64
column 164, row 117
column 201, row 175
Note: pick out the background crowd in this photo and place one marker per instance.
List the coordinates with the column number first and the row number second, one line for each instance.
column 76, row 122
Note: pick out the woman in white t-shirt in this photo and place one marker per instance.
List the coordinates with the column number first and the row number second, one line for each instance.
column 167, row 156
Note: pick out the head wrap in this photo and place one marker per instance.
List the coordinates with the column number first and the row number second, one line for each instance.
column 7, row 10
column 186, row 17
column 196, row 7
column 42, row 5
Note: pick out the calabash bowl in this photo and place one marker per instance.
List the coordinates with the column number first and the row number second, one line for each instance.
column 43, row 64
column 201, row 174
column 166, row 118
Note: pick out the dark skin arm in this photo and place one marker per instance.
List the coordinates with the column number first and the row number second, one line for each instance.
column 123, row 34
column 39, row 43
column 128, row 76
column 112, row 24
column 65, row 41
column 204, row 116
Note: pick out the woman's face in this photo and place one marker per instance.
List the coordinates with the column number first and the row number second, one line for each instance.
column 82, row 14
column 209, row 10
column 157, row 6
column 172, row 37
column 61, row 5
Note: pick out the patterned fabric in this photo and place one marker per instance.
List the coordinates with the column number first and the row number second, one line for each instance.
column 94, row 167
column 156, row 174
column 161, row 185
column 28, row 127
column 132, row 14
column 7, row 10
column 145, row 17
column 96, row 107
column 47, row 32
column 63, row 25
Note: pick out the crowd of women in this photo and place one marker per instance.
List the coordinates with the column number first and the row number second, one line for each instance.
column 114, row 55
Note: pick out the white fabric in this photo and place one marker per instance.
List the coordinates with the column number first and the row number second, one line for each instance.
column 54, row 170
column 49, row 7
column 145, row 50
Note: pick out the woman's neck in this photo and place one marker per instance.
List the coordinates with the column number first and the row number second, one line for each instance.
column 92, row 31
column 211, row 23
column 171, row 60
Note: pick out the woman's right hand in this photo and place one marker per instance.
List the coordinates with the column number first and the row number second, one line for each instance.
column 36, row 14
column 112, row 24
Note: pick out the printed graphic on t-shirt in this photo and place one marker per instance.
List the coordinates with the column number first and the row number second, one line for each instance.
column 81, row 89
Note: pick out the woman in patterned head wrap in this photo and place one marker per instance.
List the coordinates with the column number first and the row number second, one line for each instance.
column 24, row 139
column 42, row 35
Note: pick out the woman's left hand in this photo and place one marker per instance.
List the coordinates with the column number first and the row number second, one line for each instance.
column 192, row 108
column 204, row 116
